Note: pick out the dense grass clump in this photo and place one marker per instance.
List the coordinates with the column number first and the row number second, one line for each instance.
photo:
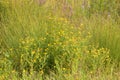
column 59, row 40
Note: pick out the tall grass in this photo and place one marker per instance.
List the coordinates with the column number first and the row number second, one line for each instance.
column 105, row 33
column 59, row 40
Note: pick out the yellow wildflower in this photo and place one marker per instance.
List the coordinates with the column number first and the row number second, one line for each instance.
column 34, row 60
column 46, row 49
column 45, row 53
column 81, row 24
column 11, row 49
column 33, row 52
column 54, row 43
column 63, row 69
column 24, row 71
column 48, row 44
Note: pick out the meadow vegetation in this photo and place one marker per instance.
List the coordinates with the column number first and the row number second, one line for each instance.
column 59, row 40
